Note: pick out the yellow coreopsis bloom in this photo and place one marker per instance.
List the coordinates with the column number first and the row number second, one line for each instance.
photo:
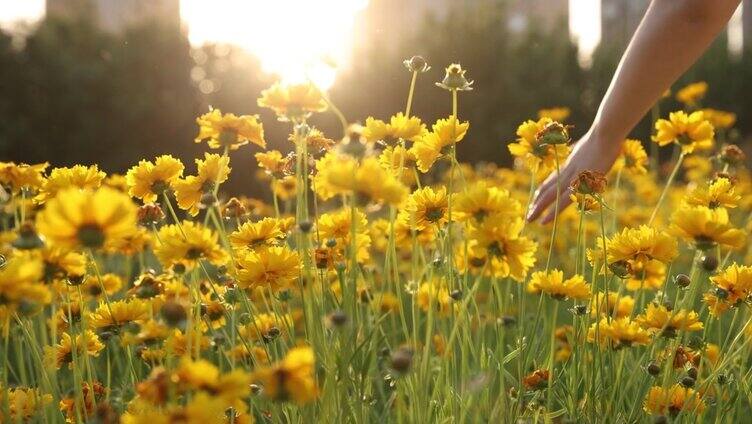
column 22, row 283
column 255, row 235
column 558, row 114
column 272, row 162
column 228, row 130
column 445, row 133
column 426, row 207
column 292, row 378
column 84, row 344
column 497, row 244
column 720, row 193
column 659, row 319
column 676, row 399
column 706, row 228
column 274, row 268
column 212, row 171
column 367, row 179
column 611, row 304
column 617, row 333
column 434, row 295
column 632, row 158
column 401, row 162
column 553, row 284
column 263, row 324
column 481, row 200
column 719, row 118
column 400, row 127
column 541, row 159
column 691, row 94
column 628, row 252
column 691, row 132
column 24, row 403
column 186, row 244
column 112, row 315
column 293, row 102
column 730, row 287
column 87, row 219
column 79, row 176
column 338, row 227
column 148, row 180
column 19, row 176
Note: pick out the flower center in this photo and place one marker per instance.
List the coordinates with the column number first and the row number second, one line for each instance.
column 91, row 236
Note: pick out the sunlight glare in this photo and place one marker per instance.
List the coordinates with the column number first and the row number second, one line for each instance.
column 296, row 39
column 585, row 27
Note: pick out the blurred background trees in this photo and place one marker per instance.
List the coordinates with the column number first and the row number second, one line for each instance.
column 71, row 93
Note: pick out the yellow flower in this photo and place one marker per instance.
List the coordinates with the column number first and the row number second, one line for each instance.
column 540, row 159
column 400, row 127
column 659, row 319
column 553, row 284
column 275, row 268
column 612, row 304
column 293, row 102
column 147, row 180
column 286, row 187
column 730, row 287
column 22, row 284
column 617, row 333
column 720, row 193
column 648, row 275
column 212, row 171
column 341, row 174
column 628, row 252
column 677, row 398
column 255, row 235
column 434, row 294
column 496, row 242
column 338, row 227
column 20, row 176
column 691, row 132
column 60, row 264
column 79, row 176
column 706, row 227
column 111, row 283
column 292, row 378
column 632, row 158
column 426, row 207
column 719, row 118
column 84, row 344
column 134, row 242
column 24, row 403
column 691, row 94
column 87, row 219
column 481, row 200
column 444, row 134
column 263, row 324
column 229, row 130
column 400, row 162
column 272, row 162
column 558, row 114
column 109, row 315
column 187, row 244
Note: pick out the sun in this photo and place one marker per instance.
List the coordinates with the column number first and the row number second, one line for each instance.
column 296, row 39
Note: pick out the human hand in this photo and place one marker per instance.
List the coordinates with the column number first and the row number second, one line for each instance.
column 592, row 153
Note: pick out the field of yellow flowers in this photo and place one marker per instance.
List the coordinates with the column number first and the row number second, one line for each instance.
column 383, row 280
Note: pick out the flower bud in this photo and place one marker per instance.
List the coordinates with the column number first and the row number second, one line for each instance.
column 150, row 214
column 653, row 369
column 234, row 208
column 589, row 182
column 682, row 280
column 174, row 314
column 687, row 381
column 731, row 154
column 416, row 64
column 709, row 263
column 553, row 133
column 454, row 79
column 402, row 359
column 337, row 319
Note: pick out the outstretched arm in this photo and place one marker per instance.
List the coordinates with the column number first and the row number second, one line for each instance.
column 670, row 38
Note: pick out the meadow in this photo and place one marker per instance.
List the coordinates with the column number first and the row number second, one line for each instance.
column 383, row 279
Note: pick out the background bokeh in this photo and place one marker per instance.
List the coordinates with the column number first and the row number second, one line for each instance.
column 71, row 92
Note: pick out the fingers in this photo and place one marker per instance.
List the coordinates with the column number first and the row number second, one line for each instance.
column 543, row 197
column 564, row 201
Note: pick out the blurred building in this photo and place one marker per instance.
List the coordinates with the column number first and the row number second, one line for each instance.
column 116, row 15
